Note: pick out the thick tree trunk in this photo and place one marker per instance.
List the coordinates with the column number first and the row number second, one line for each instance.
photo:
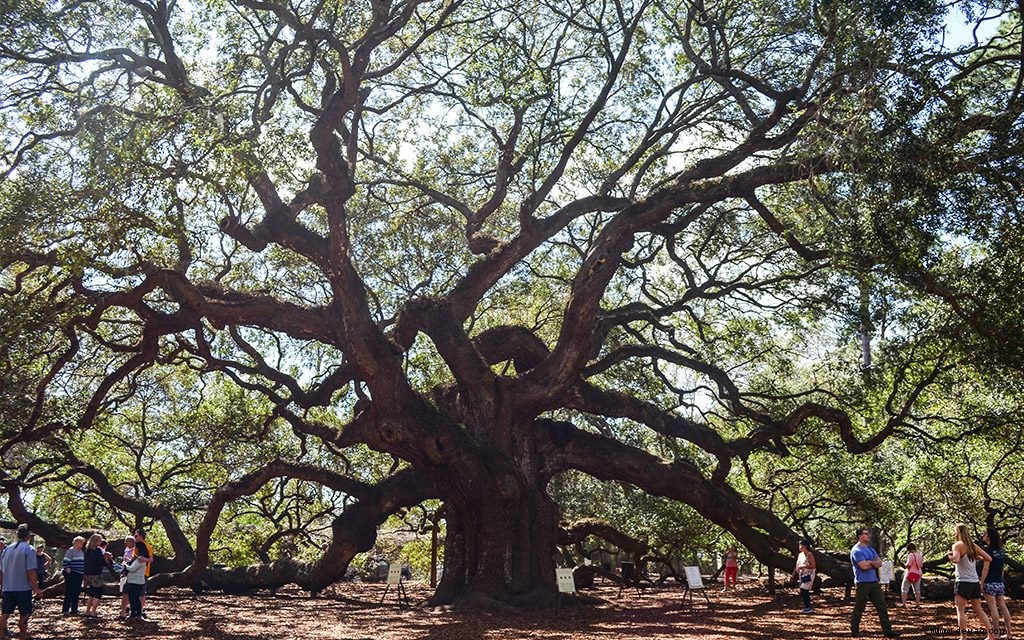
column 481, row 454
column 500, row 545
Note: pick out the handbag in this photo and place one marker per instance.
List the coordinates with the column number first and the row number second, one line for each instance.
column 913, row 575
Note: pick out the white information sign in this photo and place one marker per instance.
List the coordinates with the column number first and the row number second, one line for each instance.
column 693, row 579
column 566, row 583
column 885, row 572
column 395, row 574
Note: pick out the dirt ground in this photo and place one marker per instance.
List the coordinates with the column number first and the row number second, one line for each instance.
column 353, row 612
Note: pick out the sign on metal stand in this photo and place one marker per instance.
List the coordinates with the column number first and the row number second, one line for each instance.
column 395, row 578
column 694, row 582
column 630, row 577
column 567, row 585
column 885, row 574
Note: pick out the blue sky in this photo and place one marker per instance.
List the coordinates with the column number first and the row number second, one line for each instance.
column 960, row 31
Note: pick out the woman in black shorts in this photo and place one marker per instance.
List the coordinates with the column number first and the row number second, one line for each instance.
column 992, row 582
column 964, row 555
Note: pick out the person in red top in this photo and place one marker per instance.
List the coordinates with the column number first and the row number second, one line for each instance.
column 732, row 567
column 912, row 576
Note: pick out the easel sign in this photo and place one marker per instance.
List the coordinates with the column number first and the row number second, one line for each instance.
column 567, row 585
column 885, row 572
column 693, row 579
column 395, row 578
column 694, row 582
column 630, row 577
column 395, row 574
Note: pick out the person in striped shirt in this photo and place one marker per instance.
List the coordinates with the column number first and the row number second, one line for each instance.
column 73, row 566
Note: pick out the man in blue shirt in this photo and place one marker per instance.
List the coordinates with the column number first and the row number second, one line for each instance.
column 865, row 563
column 18, row 577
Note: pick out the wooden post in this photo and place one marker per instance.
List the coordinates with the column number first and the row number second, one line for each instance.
column 433, row 556
column 436, row 521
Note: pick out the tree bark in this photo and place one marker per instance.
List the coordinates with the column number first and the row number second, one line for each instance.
column 499, row 548
column 501, row 523
column 758, row 530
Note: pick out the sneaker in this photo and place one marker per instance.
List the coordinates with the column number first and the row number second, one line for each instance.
column 808, row 610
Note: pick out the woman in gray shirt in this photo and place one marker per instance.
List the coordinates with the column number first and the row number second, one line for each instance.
column 964, row 555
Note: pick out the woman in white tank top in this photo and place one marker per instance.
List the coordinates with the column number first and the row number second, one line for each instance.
column 964, row 555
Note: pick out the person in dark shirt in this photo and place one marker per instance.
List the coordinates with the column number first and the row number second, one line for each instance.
column 145, row 553
column 992, row 581
column 42, row 560
column 93, row 578
column 108, row 558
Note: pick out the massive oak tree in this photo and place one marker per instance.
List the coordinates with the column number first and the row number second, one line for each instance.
column 497, row 243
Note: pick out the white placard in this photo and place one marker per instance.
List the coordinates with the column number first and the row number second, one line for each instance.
column 885, row 573
column 693, row 579
column 394, row 574
column 566, row 583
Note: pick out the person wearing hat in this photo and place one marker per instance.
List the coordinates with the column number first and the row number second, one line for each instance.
column 19, row 581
